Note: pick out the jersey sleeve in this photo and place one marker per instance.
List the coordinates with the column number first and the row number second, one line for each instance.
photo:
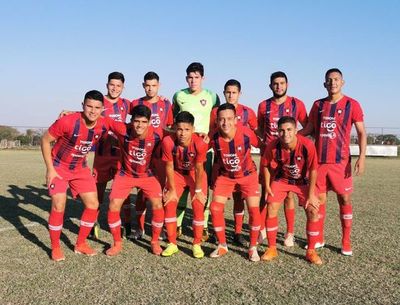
column 302, row 113
column 201, row 149
column 252, row 119
column 213, row 120
column 266, row 157
column 175, row 106
column 253, row 137
column 312, row 161
column 118, row 128
column 260, row 115
column 357, row 113
column 167, row 149
column 170, row 117
column 59, row 127
column 217, row 101
column 313, row 118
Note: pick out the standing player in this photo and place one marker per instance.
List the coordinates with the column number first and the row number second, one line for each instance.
column 331, row 119
column 67, row 166
column 292, row 160
column 138, row 141
column 161, row 118
column 184, row 155
column 199, row 102
column 107, row 156
column 269, row 112
column 245, row 117
column 232, row 147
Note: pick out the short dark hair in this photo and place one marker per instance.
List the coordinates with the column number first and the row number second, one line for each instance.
column 233, row 82
column 116, row 75
column 276, row 75
column 195, row 67
column 286, row 119
column 94, row 95
column 332, row 71
column 226, row 106
column 141, row 111
column 184, row 117
column 151, row 75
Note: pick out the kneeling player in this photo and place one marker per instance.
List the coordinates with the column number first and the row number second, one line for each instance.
column 66, row 166
column 290, row 163
column 138, row 142
column 232, row 147
column 184, row 154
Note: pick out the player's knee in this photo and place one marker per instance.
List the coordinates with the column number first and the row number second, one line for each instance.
column 216, row 207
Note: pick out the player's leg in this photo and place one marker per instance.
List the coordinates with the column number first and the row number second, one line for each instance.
column 218, row 221
column 208, row 169
column 88, row 219
column 272, row 224
column 238, row 214
column 346, row 218
column 312, row 231
column 140, row 209
column 180, row 212
column 255, row 223
column 56, row 220
column 114, row 223
column 157, row 222
column 263, row 216
column 289, row 205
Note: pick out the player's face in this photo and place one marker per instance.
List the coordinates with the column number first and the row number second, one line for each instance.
column 194, row 81
column 334, row 83
column 140, row 125
column 114, row 88
column 92, row 109
column 279, row 87
column 184, row 133
column 226, row 121
column 232, row 95
column 151, row 87
column 287, row 133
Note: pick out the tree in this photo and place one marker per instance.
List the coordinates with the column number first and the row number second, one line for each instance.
column 8, row 133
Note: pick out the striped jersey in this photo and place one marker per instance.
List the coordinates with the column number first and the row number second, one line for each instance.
column 75, row 140
column 332, row 124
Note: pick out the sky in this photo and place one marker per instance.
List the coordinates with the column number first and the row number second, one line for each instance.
column 53, row 52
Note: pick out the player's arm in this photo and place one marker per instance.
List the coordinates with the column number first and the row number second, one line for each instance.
column 307, row 130
column 312, row 198
column 170, row 191
column 65, row 112
column 45, row 145
column 175, row 106
column 198, row 179
column 265, row 165
column 359, row 167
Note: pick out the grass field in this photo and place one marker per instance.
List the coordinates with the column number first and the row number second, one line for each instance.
column 28, row 276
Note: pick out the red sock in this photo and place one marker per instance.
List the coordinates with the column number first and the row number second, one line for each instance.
column 114, row 222
column 238, row 211
column 263, row 213
column 198, row 221
column 218, row 220
column 157, row 224
column 56, row 220
column 346, row 217
column 140, row 207
column 289, row 215
column 312, row 229
column 255, row 223
column 321, row 216
column 170, row 220
column 88, row 219
column 126, row 210
column 272, row 230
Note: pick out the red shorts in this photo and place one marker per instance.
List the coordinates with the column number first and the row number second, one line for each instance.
column 248, row 185
column 336, row 177
column 105, row 168
column 182, row 181
column 79, row 181
column 281, row 190
column 122, row 186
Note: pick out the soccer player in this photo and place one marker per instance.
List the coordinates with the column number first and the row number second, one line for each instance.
column 161, row 118
column 108, row 154
column 184, row 155
column 66, row 164
column 290, row 165
column 199, row 102
column 245, row 117
column 331, row 119
column 269, row 112
column 232, row 147
column 138, row 142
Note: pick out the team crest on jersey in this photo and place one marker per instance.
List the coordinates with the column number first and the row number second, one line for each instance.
column 239, row 117
column 96, row 136
column 52, row 186
column 203, row 102
column 239, row 148
column 287, row 110
column 191, row 154
column 340, row 111
column 149, row 144
column 161, row 109
column 298, row 158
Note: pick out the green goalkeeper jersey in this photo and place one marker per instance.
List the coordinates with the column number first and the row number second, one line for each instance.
column 199, row 105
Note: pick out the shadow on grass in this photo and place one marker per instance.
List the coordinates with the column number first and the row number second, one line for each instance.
column 15, row 209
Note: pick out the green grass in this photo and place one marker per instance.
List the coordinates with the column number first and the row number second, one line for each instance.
column 28, row 276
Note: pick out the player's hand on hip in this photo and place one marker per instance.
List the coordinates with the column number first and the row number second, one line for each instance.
column 50, row 175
